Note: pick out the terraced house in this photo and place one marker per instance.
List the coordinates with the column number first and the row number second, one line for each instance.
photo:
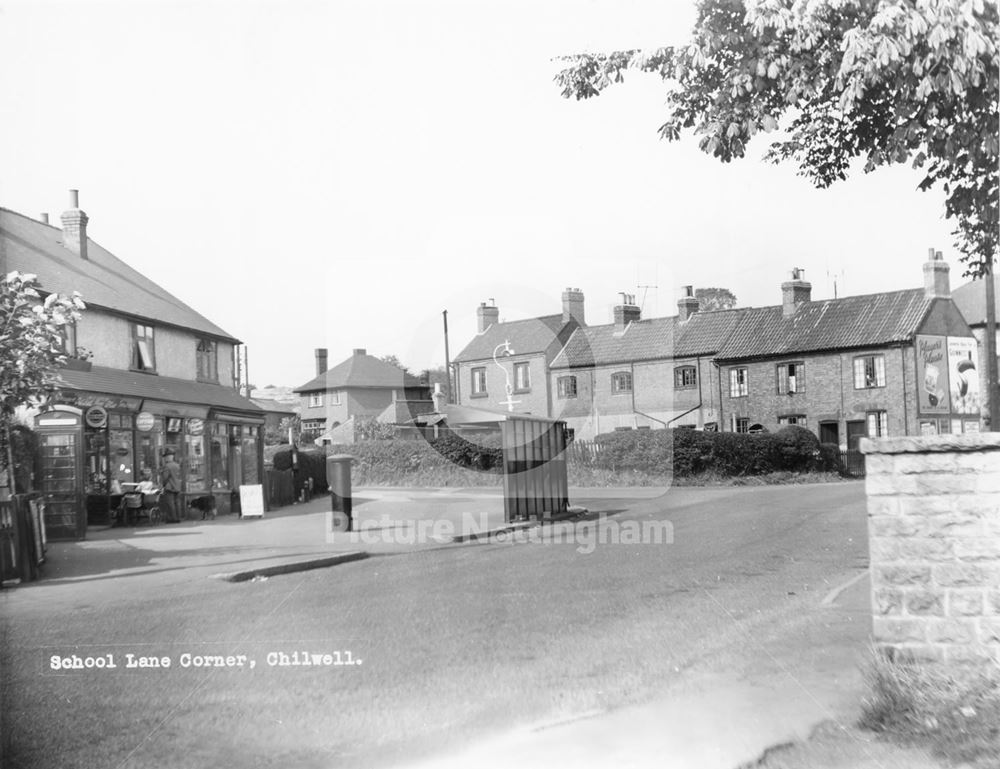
column 147, row 373
column 892, row 363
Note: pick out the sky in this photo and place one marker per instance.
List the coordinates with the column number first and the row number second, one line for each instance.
column 337, row 174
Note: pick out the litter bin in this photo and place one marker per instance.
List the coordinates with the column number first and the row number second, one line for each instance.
column 338, row 475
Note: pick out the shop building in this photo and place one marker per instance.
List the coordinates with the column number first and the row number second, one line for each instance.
column 146, row 373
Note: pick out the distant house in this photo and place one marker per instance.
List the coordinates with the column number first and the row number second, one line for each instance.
column 362, row 386
column 275, row 412
column 507, row 364
column 146, row 373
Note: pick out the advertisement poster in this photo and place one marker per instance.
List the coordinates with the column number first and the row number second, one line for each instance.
column 963, row 375
column 932, row 375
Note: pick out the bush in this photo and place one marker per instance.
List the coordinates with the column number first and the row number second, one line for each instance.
column 311, row 464
column 684, row 453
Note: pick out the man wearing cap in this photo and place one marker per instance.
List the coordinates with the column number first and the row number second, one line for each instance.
column 170, row 480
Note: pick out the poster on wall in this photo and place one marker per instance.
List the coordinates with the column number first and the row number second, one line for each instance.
column 963, row 375
column 932, row 375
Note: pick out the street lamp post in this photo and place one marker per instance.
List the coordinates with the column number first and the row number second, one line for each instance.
column 508, row 351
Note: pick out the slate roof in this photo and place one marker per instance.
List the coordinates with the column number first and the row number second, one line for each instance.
column 360, row 370
column 532, row 335
column 103, row 279
column 131, row 384
column 970, row 299
column 851, row 322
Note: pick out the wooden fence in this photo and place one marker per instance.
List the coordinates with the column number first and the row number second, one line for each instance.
column 22, row 538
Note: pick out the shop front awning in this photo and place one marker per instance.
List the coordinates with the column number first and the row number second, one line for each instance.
column 161, row 393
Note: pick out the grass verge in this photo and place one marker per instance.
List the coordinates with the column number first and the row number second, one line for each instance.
column 955, row 712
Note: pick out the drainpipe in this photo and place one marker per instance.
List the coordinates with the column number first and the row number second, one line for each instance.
column 697, row 373
column 902, row 371
column 679, row 416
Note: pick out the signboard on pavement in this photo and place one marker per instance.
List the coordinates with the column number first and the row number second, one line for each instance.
column 252, row 501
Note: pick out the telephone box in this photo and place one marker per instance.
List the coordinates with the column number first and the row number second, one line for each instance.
column 60, row 465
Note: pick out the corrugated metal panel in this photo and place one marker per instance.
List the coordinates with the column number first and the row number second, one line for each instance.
column 535, row 478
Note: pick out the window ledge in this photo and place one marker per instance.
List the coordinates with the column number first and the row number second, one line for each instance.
column 143, row 371
column 479, row 395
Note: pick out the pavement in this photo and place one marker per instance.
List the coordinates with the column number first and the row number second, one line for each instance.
column 722, row 721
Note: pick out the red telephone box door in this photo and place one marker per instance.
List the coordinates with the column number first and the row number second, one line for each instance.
column 60, row 438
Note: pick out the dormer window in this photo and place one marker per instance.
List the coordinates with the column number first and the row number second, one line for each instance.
column 207, row 361
column 143, row 349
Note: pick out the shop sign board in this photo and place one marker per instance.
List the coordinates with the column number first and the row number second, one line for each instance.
column 96, row 416
column 144, row 421
column 196, row 426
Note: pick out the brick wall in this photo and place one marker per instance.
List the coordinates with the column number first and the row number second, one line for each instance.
column 934, row 537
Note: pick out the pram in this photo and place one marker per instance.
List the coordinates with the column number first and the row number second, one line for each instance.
column 136, row 505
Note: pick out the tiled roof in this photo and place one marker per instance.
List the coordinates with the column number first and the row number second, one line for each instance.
column 131, row 384
column 102, row 279
column 971, row 300
column 360, row 370
column 654, row 339
column 854, row 321
column 532, row 335
column 600, row 345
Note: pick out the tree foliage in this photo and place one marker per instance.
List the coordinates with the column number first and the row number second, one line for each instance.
column 31, row 344
column 884, row 81
column 715, row 299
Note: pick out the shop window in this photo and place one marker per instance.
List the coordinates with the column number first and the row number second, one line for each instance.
column 522, row 377
column 478, row 382
column 207, row 361
column 143, row 348
column 791, row 378
column 621, row 382
column 251, row 475
column 218, row 446
column 869, row 371
column 739, row 382
column 120, row 459
column 195, row 461
column 566, row 386
column 685, row 377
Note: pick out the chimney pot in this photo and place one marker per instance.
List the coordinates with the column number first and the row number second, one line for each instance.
column 360, row 351
column 795, row 292
column 688, row 304
column 74, row 222
column 487, row 315
column 626, row 312
column 937, row 284
column 573, row 306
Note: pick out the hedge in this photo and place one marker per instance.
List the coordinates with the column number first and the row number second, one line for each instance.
column 686, row 452
column 312, row 464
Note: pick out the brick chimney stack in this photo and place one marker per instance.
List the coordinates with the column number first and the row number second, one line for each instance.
column 487, row 314
column 572, row 304
column 320, row 360
column 626, row 312
column 795, row 292
column 74, row 224
column 688, row 304
column 936, row 282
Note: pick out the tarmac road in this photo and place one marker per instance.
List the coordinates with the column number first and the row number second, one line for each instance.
column 454, row 644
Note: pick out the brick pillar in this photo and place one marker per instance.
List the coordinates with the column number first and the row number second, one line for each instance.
column 934, row 538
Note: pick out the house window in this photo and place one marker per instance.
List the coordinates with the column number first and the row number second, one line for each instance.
column 143, row 349
column 792, row 419
column 738, row 383
column 335, row 398
column 742, row 425
column 878, row 424
column 566, row 386
column 207, row 360
column 313, row 425
column 869, row 371
column 522, row 377
column 685, row 376
column 69, row 339
column 478, row 382
column 791, row 378
column 621, row 382
column 315, row 400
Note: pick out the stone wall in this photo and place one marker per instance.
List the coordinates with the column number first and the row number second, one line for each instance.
column 934, row 537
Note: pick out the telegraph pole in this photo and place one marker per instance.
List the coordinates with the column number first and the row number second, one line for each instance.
column 447, row 361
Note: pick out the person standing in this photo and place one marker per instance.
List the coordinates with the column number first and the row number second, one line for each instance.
column 170, row 480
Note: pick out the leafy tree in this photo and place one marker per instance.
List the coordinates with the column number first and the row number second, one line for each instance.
column 31, row 347
column 392, row 360
column 886, row 81
column 715, row 299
